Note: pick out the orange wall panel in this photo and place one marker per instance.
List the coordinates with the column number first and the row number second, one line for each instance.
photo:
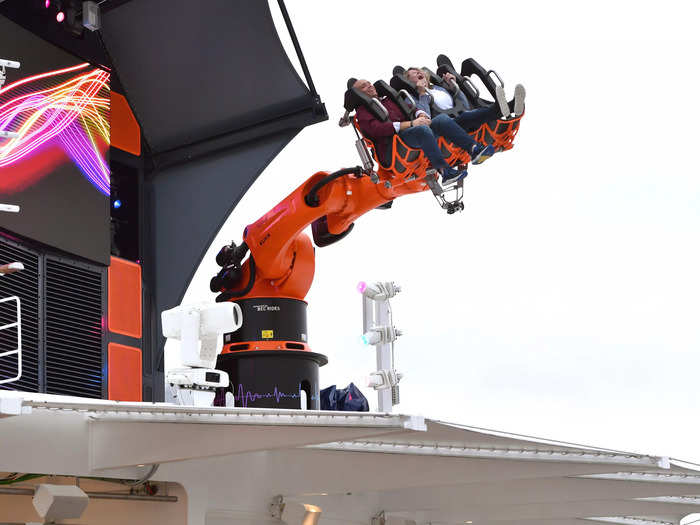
column 125, row 132
column 124, row 372
column 124, row 291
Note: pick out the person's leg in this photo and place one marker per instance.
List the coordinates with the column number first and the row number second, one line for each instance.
column 422, row 137
column 473, row 118
column 445, row 126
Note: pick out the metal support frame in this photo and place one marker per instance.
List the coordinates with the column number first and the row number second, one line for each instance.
column 18, row 350
column 650, row 477
column 378, row 330
column 297, row 48
column 435, row 449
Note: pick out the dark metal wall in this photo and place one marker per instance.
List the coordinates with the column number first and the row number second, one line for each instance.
column 216, row 98
column 194, row 71
column 63, row 305
column 186, row 206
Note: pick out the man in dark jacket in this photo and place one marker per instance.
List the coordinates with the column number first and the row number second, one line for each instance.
column 417, row 133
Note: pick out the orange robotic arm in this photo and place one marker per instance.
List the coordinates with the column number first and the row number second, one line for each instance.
column 281, row 261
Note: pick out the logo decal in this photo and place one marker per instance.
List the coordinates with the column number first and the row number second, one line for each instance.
column 266, row 308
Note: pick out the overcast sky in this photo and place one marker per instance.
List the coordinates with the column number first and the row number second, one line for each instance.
column 564, row 302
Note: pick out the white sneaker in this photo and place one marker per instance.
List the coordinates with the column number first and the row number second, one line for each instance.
column 519, row 97
column 502, row 101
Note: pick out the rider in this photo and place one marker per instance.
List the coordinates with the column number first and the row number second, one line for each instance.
column 421, row 132
column 472, row 118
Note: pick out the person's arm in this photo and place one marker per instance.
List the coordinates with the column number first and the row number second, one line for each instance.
column 421, row 120
column 423, row 105
column 371, row 126
column 463, row 99
column 449, row 77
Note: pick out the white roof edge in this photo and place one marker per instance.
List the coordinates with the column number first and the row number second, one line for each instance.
column 16, row 403
column 435, row 449
column 651, row 477
column 629, row 520
column 534, row 439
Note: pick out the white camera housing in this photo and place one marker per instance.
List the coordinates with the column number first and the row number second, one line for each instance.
column 9, row 63
column 59, row 502
column 3, row 64
column 202, row 377
column 199, row 327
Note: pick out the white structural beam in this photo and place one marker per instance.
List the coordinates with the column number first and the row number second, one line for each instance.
column 119, row 444
column 106, row 435
column 650, row 477
column 462, row 497
column 573, row 456
column 631, row 520
column 558, row 510
column 683, row 500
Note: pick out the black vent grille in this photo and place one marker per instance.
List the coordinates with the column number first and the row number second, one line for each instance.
column 25, row 285
column 73, row 329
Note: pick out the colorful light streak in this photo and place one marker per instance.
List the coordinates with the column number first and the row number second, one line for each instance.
column 72, row 113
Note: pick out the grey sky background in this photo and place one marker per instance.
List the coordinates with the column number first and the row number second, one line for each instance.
column 564, row 301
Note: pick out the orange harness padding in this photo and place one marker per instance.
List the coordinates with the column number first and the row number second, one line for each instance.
column 407, row 161
column 501, row 136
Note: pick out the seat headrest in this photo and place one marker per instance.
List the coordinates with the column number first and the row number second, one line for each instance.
column 399, row 83
column 354, row 98
column 443, row 60
column 398, row 71
column 351, row 82
column 446, row 69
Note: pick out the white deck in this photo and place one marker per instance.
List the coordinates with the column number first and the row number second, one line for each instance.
column 232, row 462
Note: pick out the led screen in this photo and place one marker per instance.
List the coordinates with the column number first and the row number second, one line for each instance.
column 57, row 169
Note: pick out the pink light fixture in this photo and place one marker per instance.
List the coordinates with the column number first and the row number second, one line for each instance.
column 60, row 17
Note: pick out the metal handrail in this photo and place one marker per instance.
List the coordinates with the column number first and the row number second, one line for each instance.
column 17, row 350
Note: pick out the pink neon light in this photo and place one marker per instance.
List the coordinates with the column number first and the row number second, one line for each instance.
column 60, row 16
column 361, row 286
column 47, row 4
column 73, row 114
column 15, row 85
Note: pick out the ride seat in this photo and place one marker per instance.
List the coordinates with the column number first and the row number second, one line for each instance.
column 499, row 133
column 405, row 161
column 453, row 154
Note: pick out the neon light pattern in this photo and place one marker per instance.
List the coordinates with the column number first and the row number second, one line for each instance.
column 243, row 396
column 67, row 107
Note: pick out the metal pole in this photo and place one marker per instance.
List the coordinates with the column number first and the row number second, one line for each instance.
column 300, row 55
column 384, row 355
column 97, row 495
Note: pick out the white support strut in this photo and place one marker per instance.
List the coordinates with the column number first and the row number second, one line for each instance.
column 378, row 330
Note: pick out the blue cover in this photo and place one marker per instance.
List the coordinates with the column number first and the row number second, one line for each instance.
column 349, row 399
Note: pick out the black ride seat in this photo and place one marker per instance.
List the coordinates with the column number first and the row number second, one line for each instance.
column 452, row 154
column 399, row 83
column 403, row 160
column 406, row 162
column 463, row 82
column 500, row 133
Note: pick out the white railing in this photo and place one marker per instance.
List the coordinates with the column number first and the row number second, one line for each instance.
column 17, row 350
